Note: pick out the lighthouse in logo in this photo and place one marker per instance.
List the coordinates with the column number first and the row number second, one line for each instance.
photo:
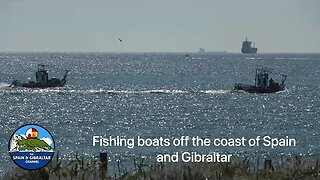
column 31, row 147
column 32, row 133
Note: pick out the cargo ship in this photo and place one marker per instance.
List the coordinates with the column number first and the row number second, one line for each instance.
column 247, row 47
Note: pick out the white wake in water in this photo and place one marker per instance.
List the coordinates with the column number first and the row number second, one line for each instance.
column 220, row 91
column 4, row 85
column 283, row 91
column 165, row 91
column 105, row 91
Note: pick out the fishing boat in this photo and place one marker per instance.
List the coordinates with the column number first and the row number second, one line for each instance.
column 42, row 80
column 262, row 83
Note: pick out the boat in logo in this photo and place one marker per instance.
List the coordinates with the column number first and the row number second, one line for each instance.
column 31, row 147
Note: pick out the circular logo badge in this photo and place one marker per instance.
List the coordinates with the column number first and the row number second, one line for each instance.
column 31, row 147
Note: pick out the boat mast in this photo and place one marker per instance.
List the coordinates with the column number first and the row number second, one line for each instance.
column 256, row 78
column 42, row 75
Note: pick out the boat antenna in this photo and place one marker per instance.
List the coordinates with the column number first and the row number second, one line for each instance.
column 284, row 78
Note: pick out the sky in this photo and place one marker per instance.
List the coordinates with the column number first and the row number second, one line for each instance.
column 159, row 25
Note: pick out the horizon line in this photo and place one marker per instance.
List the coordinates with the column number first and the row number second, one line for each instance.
column 151, row 52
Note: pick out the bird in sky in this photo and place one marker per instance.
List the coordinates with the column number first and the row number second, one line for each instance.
column 120, row 39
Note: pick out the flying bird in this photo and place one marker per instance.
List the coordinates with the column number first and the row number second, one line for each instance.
column 120, row 39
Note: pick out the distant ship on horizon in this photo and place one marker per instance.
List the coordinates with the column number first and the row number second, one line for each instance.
column 247, row 47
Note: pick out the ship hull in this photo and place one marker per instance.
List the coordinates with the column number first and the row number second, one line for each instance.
column 254, row 89
column 38, row 85
column 249, row 51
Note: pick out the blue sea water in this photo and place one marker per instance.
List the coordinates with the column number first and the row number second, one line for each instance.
column 161, row 95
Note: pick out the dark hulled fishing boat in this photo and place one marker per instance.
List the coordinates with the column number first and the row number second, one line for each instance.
column 262, row 83
column 42, row 80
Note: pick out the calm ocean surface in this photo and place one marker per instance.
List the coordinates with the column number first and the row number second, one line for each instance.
column 161, row 95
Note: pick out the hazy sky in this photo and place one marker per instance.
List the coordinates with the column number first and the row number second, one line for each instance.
column 159, row 25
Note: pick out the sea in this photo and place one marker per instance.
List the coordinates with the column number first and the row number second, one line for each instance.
column 167, row 95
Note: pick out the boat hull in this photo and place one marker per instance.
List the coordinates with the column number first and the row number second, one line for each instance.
column 38, row 85
column 249, row 51
column 254, row 89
